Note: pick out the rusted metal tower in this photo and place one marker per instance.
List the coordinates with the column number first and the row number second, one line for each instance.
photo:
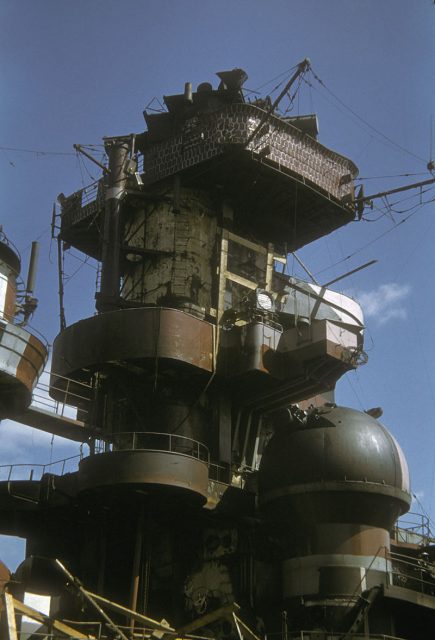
column 220, row 492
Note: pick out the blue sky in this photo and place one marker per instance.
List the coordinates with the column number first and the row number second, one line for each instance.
column 73, row 71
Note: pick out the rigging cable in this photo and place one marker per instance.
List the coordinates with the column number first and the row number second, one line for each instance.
column 361, row 119
column 425, row 513
column 84, row 262
column 82, row 165
column 368, row 244
column 280, row 75
column 39, row 152
column 354, row 391
column 397, row 175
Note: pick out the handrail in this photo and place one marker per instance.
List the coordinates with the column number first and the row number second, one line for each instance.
column 320, row 635
column 154, row 441
column 403, row 557
column 42, row 468
column 74, row 392
column 220, row 474
column 20, row 337
column 416, row 574
column 145, row 632
column 76, row 202
column 355, row 595
column 413, row 524
column 28, row 328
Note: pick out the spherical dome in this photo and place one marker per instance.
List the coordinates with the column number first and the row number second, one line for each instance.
column 336, row 451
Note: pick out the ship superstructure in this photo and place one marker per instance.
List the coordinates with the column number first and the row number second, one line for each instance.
column 224, row 494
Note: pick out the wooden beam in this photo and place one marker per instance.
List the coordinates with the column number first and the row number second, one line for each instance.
column 258, row 248
column 19, row 606
column 249, row 284
column 223, row 262
column 10, row 616
column 244, row 630
column 218, row 614
column 269, row 267
column 138, row 617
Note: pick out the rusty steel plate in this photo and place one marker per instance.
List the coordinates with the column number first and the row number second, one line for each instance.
column 130, row 336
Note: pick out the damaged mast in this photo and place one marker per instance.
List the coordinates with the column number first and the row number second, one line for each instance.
column 224, row 491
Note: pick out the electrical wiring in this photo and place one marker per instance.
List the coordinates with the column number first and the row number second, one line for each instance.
column 355, row 393
column 425, row 513
column 293, row 97
column 403, row 211
column 80, row 168
column 284, row 73
column 12, row 164
column 361, row 119
column 389, row 209
column 411, row 210
column 94, row 147
column 40, row 152
column 83, row 164
column 397, row 175
column 87, row 261
column 278, row 86
column 371, row 242
column 67, row 278
column 161, row 108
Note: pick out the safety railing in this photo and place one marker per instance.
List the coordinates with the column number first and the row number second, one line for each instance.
column 413, row 573
column 82, row 203
column 95, row 631
column 71, row 392
column 15, row 333
column 98, row 631
column 220, row 474
column 29, row 471
column 408, row 571
column 91, row 630
column 322, row 635
column 29, row 328
column 355, row 597
column 414, row 528
column 155, row 441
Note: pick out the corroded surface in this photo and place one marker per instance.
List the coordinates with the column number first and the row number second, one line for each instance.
column 22, row 359
column 133, row 335
column 205, row 136
column 177, row 251
column 142, row 467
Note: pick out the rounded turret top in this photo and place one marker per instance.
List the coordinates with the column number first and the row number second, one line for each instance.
column 335, row 451
column 335, row 444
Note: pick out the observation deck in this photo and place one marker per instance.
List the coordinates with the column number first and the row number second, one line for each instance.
column 282, row 183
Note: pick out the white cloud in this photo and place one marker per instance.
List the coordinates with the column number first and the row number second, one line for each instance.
column 386, row 302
